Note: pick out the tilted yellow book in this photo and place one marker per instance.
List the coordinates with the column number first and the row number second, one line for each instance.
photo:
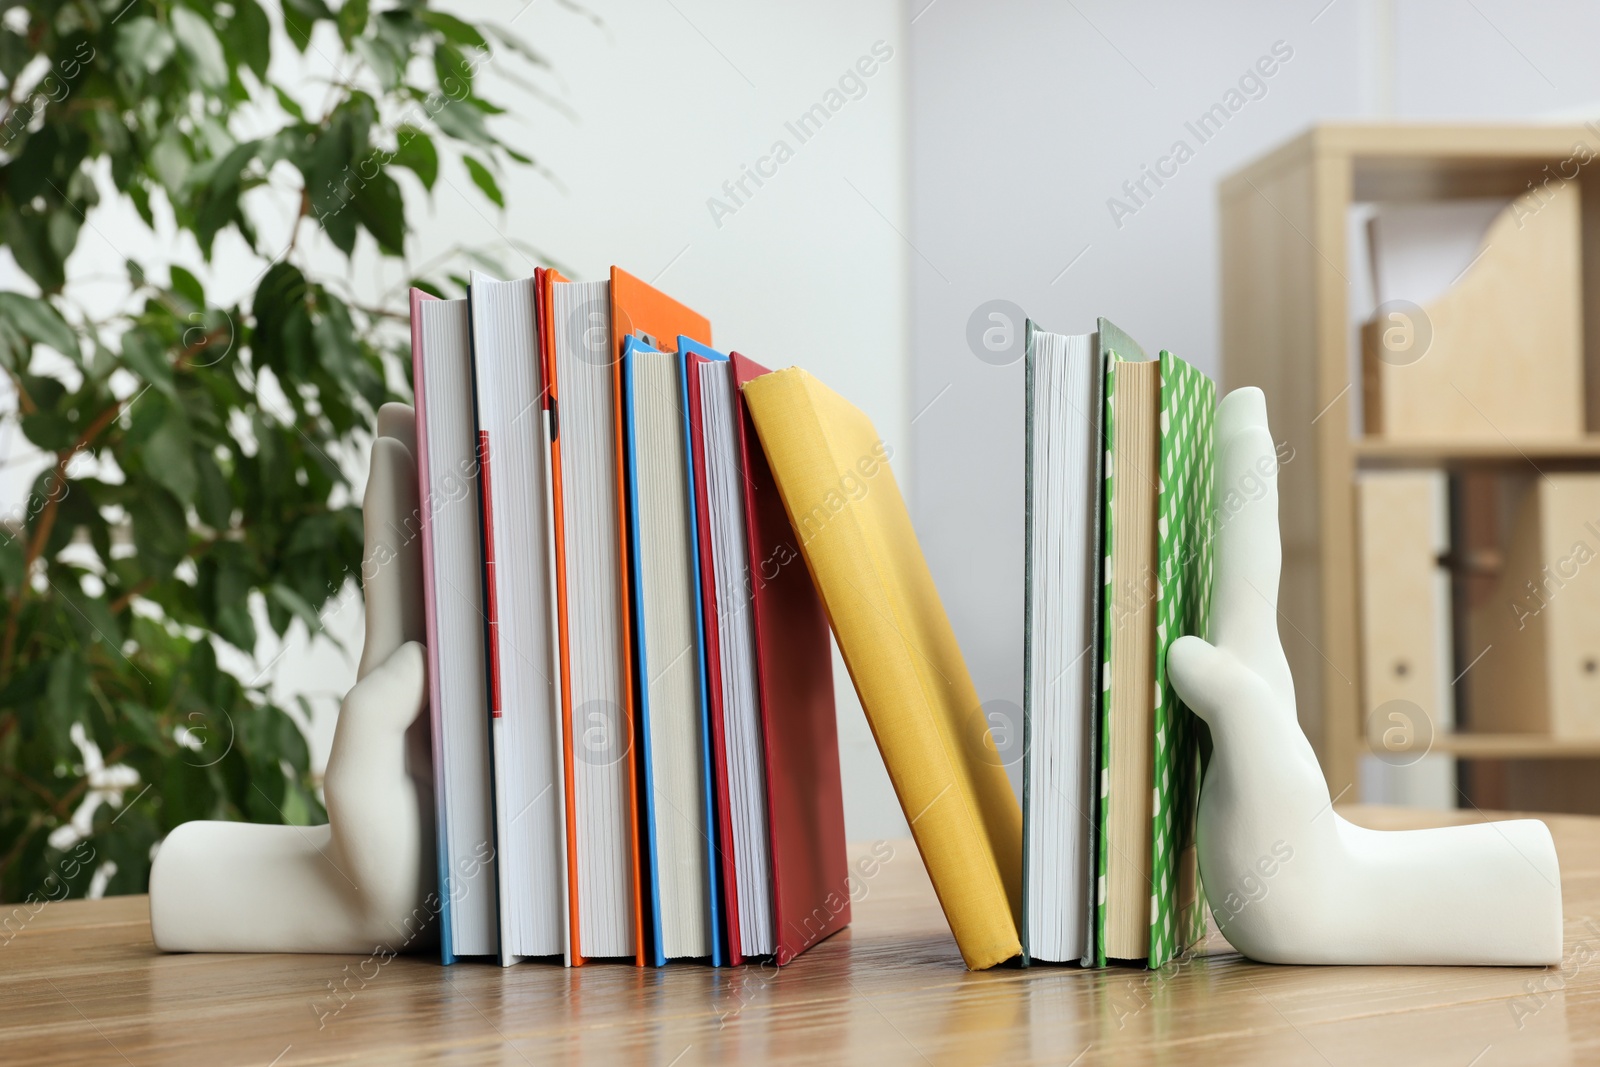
column 833, row 473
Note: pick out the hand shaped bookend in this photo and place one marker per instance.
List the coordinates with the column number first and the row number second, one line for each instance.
column 1289, row 881
column 361, row 882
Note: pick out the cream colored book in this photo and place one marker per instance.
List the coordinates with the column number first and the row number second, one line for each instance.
column 1133, row 396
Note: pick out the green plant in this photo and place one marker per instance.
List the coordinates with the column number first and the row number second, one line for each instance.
column 196, row 453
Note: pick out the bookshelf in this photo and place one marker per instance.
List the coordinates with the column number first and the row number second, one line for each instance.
column 1286, row 326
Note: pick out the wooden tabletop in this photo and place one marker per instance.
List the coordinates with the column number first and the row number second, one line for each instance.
column 80, row 982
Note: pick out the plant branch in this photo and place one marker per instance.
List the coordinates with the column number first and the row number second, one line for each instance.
column 47, row 514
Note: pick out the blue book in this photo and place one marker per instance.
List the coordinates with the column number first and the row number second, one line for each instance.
column 687, row 347
column 669, row 649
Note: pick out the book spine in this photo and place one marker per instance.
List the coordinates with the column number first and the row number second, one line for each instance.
column 491, row 602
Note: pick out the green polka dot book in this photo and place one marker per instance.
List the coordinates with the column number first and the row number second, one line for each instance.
column 1183, row 606
column 1171, row 600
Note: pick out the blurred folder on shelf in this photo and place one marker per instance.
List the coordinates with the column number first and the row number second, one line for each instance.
column 1478, row 328
column 1540, row 672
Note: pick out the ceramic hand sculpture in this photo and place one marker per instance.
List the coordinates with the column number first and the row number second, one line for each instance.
column 1288, row 879
column 359, row 883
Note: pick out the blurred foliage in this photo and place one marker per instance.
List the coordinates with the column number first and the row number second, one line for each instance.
column 194, row 445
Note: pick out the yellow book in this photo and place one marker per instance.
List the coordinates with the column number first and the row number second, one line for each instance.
column 833, row 473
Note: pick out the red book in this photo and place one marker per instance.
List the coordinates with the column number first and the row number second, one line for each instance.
column 794, row 663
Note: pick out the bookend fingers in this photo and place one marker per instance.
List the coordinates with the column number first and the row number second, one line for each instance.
column 391, row 564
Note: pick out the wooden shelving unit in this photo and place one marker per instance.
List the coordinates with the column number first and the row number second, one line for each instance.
column 1287, row 328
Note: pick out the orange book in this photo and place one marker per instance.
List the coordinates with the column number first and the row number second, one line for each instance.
column 639, row 310
column 547, row 359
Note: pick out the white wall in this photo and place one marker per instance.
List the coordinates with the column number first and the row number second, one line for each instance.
column 1028, row 116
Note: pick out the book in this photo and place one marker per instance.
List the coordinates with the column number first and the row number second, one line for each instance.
column 729, row 641
column 632, row 308
column 736, row 765
column 602, row 826
column 1158, row 530
column 668, row 654
column 522, row 670
column 832, row 472
column 1132, row 396
column 447, row 472
column 811, row 874
column 1062, row 416
column 1184, row 536
column 692, row 352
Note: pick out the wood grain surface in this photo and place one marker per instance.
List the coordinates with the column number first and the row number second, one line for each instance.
column 81, row 983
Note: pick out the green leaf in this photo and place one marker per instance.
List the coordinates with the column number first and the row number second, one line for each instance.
column 517, row 45
column 41, row 323
column 249, row 36
column 465, row 123
column 453, row 71
column 168, row 452
column 219, row 197
column 484, row 180
column 381, row 209
column 199, row 43
column 11, row 570
column 187, row 286
column 50, row 430
column 160, row 529
column 29, row 243
column 143, row 44
column 297, row 606
column 14, row 54
column 415, row 152
column 288, row 104
column 214, row 499
column 66, row 697
column 453, row 29
column 352, row 20
column 145, row 355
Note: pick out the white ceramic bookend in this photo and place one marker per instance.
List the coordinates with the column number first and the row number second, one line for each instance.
column 365, row 882
column 1289, row 881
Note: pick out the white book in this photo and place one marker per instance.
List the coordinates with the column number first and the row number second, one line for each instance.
column 668, row 650
column 1061, row 653
column 447, row 469
column 596, row 650
column 524, row 675
column 735, row 623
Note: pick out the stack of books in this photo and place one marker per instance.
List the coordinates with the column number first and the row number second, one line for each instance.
column 1098, row 863
column 1119, row 530
column 635, row 547
column 631, row 693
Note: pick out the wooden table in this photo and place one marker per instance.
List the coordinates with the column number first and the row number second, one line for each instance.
column 82, row 983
